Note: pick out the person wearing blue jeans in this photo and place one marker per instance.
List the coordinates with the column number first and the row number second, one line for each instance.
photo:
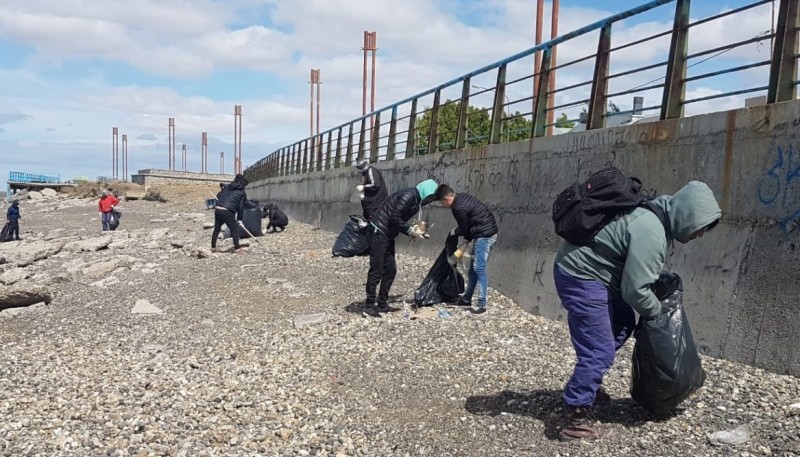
column 476, row 224
column 601, row 285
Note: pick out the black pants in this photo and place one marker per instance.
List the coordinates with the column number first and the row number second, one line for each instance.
column 223, row 216
column 369, row 208
column 13, row 229
column 276, row 228
column 382, row 267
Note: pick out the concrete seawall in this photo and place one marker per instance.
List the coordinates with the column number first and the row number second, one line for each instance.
column 742, row 280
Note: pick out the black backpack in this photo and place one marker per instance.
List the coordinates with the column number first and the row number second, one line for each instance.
column 581, row 210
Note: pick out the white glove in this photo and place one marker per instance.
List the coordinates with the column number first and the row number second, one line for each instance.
column 100, row 213
column 452, row 231
column 361, row 195
column 360, row 188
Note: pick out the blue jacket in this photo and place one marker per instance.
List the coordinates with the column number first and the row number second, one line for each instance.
column 13, row 213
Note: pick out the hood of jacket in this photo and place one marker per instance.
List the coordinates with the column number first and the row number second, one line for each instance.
column 690, row 209
column 234, row 186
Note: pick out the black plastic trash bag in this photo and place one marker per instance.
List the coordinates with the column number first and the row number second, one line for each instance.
column 5, row 234
column 353, row 239
column 443, row 283
column 666, row 367
column 251, row 219
column 114, row 222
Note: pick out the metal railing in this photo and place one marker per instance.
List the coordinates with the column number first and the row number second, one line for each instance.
column 463, row 112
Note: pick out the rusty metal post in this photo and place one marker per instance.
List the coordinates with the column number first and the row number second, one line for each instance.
column 320, row 140
column 539, row 124
column 374, row 145
column 337, row 162
column 362, row 151
column 463, row 110
column 311, row 105
column 374, row 49
column 497, row 109
column 390, row 145
column 124, row 157
column 675, row 85
column 537, row 63
column 318, row 99
column 433, row 138
column 305, row 154
column 596, row 118
column 114, row 145
column 329, row 150
column 783, row 71
column 364, row 96
column 554, row 62
column 349, row 156
column 411, row 141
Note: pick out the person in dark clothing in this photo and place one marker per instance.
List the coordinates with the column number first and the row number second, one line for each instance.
column 373, row 190
column 230, row 208
column 277, row 219
column 388, row 222
column 13, row 218
column 476, row 225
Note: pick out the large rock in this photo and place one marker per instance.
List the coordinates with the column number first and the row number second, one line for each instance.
column 89, row 245
column 14, row 276
column 29, row 294
column 48, row 192
column 145, row 307
column 27, row 253
column 34, row 195
column 106, row 267
column 159, row 233
column 53, row 234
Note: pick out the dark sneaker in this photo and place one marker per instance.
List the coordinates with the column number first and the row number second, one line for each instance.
column 465, row 304
column 602, row 398
column 386, row 309
column 371, row 311
column 478, row 311
column 579, row 424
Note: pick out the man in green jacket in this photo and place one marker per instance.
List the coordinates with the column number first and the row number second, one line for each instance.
column 600, row 286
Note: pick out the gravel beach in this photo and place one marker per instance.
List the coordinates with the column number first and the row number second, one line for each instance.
column 154, row 346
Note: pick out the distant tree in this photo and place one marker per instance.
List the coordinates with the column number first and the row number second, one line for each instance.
column 564, row 122
column 584, row 116
column 479, row 125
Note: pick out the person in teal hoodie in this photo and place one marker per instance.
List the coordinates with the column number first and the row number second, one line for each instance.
column 386, row 223
column 601, row 286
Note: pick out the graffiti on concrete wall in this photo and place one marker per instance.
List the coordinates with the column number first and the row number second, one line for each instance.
column 779, row 186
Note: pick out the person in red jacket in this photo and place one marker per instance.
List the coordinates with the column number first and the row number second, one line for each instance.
column 107, row 202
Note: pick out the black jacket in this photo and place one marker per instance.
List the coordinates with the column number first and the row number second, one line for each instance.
column 475, row 219
column 392, row 217
column 233, row 198
column 375, row 192
column 277, row 218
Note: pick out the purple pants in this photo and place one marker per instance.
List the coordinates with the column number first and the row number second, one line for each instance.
column 599, row 324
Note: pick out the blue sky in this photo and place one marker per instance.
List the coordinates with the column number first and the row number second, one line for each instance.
column 73, row 69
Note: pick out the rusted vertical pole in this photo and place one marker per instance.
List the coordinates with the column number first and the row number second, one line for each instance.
column 497, row 109
column 537, row 63
column 554, row 62
column 675, row 86
column 374, row 47
column 364, row 96
column 311, row 105
column 374, row 146
column 328, row 150
column 433, row 138
column 241, row 165
column 596, row 118
column 539, row 124
column 124, row 157
column 349, row 156
column 463, row 110
column 318, row 99
column 783, row 71
column 338, row 160
column 390, row 144
column 362, row 151
column 411, row 140
column 114, row 132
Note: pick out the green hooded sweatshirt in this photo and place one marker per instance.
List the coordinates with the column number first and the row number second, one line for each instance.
column 639, row 243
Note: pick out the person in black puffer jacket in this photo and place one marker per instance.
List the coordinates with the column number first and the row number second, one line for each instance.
column 277, row 219
column 388, row 222
column 373, row 190
column 477, row 225
column 229, row 209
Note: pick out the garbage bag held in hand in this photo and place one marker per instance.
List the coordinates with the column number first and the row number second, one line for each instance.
column 5, row 234
column 114, row 222
column 251, row 219
column 443, row 283
column 353, row 239
column 666, row 367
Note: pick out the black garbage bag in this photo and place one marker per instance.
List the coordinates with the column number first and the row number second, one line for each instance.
column 666, row 367
column 353, row 240
column 114, row 222
column 251, row 219
column 443, row 283
column 5, row 234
